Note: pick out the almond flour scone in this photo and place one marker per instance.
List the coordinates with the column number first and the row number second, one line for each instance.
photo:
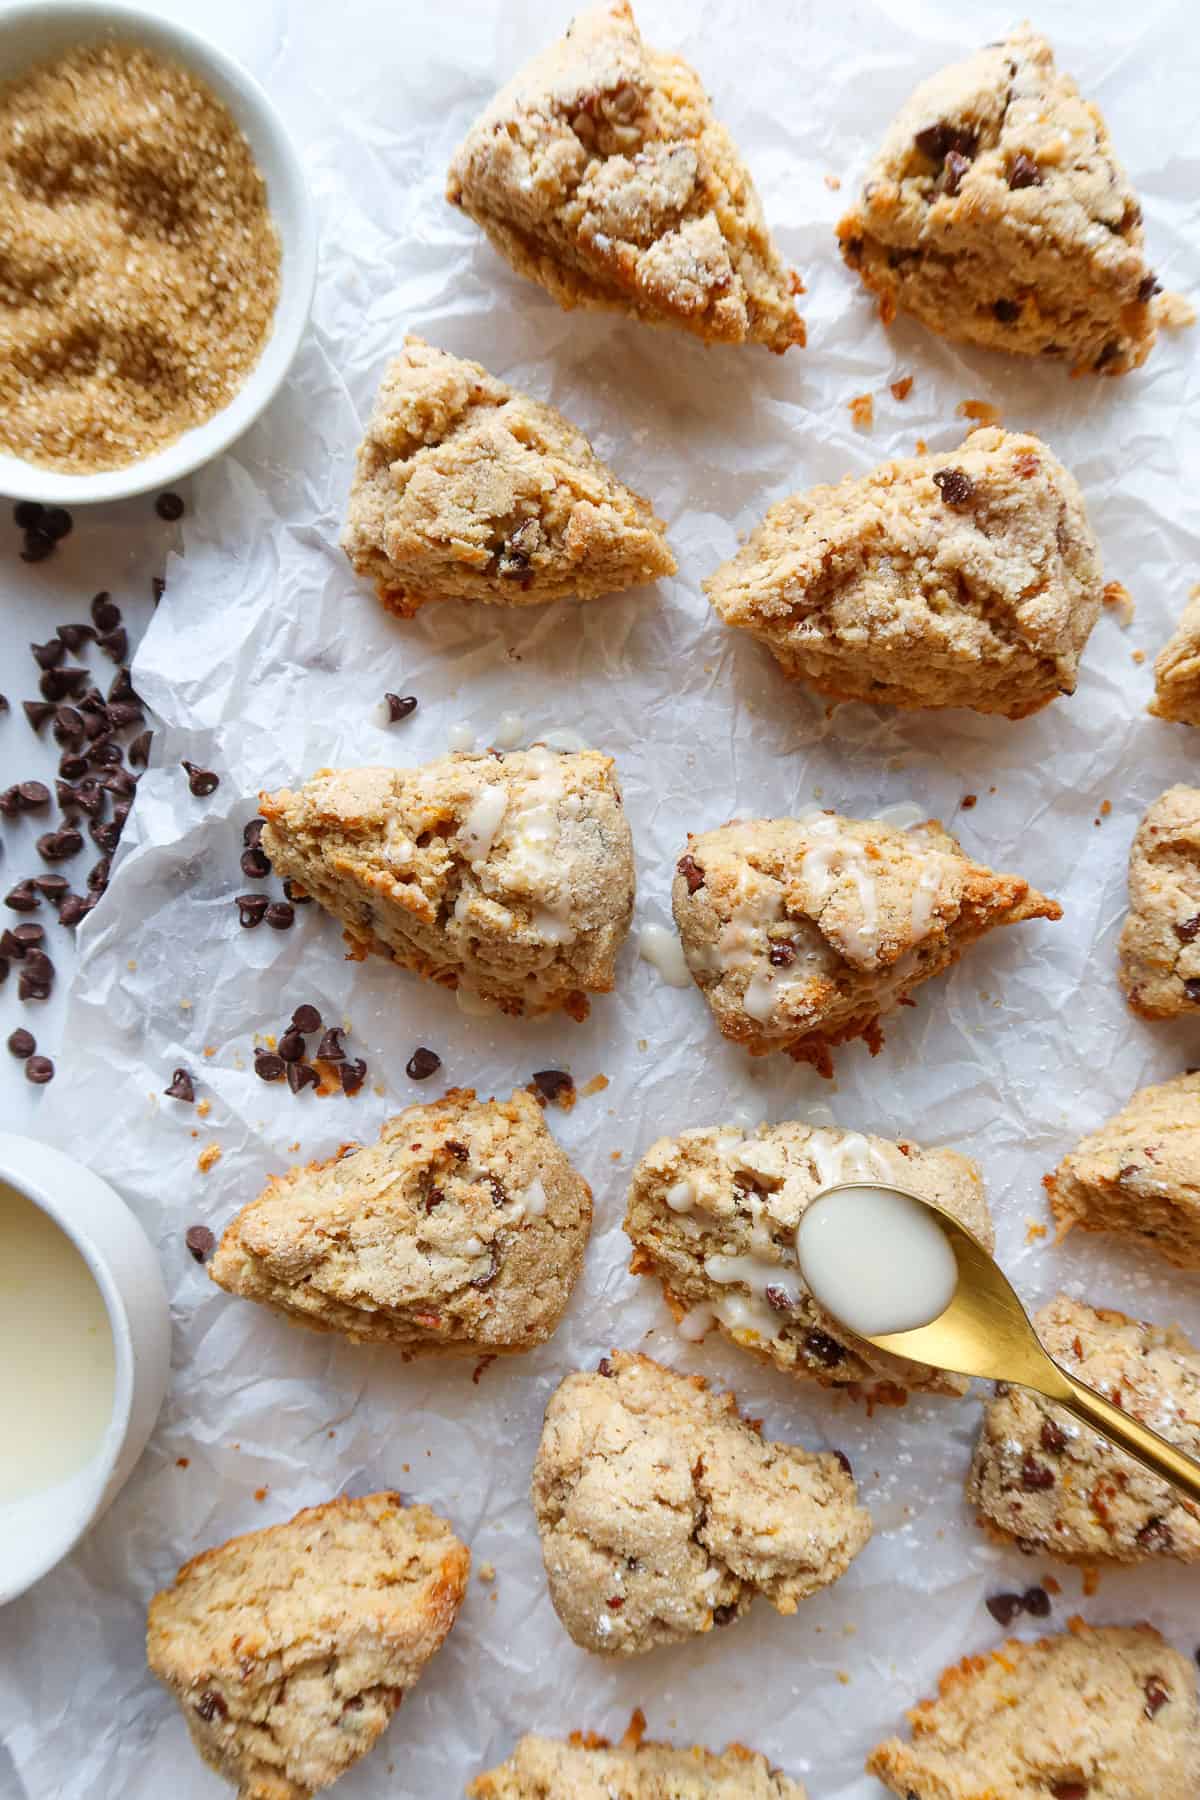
column 290, row 1649
column 712, row 1214
column 588, row 1768
column 462, row 1229
column 1159, row 951
column 802, row 933
column 1053, row 1485
column 663, row 1512
column 1139, row 1174
column 468, row 490
column 966, row 578
column 997, row 214
column 1177, row 670
column 510, row 875
column 600, row 173
column 1102, row 1712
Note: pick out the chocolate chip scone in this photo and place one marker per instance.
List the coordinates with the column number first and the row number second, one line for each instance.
column 509, row 875
column 997, row 214
column 463, row 1229
column 466, row 489
column 1177, row 670
column 290, row 1649
column 1100, row 1713
column 601, row 173
column 1139, row 1174
column 802, row 933
column 966, row 578
column 663, row 1512
column 1159, row 951
column 1043, row 1479
column 586, row 1767
column 713, row 1213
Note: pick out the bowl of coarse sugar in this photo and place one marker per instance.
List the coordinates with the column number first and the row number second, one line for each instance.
column 158, row 252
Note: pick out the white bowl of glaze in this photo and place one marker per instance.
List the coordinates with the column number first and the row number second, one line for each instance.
column 38, row 1531
column 35, row 30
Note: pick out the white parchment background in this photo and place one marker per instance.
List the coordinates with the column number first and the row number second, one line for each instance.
column 267, row 659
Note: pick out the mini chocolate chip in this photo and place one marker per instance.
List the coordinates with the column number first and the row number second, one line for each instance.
column 1186, row 930
column 38, row 711
column 1108, row 354
column 121, row 687
column 604, row 1367
column 38, row 545
column 49, row 654
column 201, row 1242
column 724, row 1615
column 252, row 832
column 1148, row 286
column 72, row 766
column 53, row 886
column 291, row 1046
column 422, row 1064
column 25, row 937
column 115, row 643
column 27, row 513
column 88, row 798
column 92, row 701
column 106, row 835
column 98, row 874
column 1006, row 312
column 32, row 986
column 954, row 485
column 33, row 795
column 181, row 1087
column 330, row 1047
column 306, row 1019
column 301, row 1075
column 210, row 1705
column 953, row 170
column 39, row 1070
column 553, row 1084
column 74, row 909
column 255, row 864
column 280, row 915
column 11, row 946
column 252, row 910
column 76, row 636
column 823, row 1349
column 106, row 615
column 1004, row 1607
column 169, row 507
column 268, row 1066
column 68, row 727
column 692, row 873
column 139, row 750
column 1156, row 1696
column 22, row 1043
column 57, row 522
column 62, row 684
column 57, row 846
column 294, row 895
column 22, row 898
column 95, row 727
column 105, row 755
column 352, row 1075
column 122, row 713
column 781, row 954
column 202, row 782
column 10, row 803
column 1023, row 172
column 843, row 1462
column 400, row 706
column 936, row 141
column 1036, row 1602
column 1053, row 1437
column 1035, row 1476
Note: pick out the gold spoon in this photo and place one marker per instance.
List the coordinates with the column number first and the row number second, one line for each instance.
column 986, row 1331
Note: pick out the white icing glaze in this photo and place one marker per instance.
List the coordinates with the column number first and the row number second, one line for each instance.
column 747, row 1312
column 534, row 1198
column 696, row 1322
column 461, row 736
column 663, row 951
column 924, row 895
column 563, row 739
column 876, row 1260
column 838, row 853
column 845, row 1156
column 680, row 1196
column 484, row 819
column 510, row 729
column 902, row 815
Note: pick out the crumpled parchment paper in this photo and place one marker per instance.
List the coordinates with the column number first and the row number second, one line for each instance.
column 267, row 658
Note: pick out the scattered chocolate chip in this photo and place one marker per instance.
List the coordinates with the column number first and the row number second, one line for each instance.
column 1004, row 1608
column 936, row 141
column 88, row 797
column 169, row 507
column 306, row 1019
column 422, row 1064
column 280, row 915
column 301, row 1075
column 38, row 545
column 1108, row 354
column 1186, row 930
column 27, row 514
column 294, row 895
column 139, row 750
column 268, row 1066
column 22, row 898
column 954, row 485
column 252, row 910
column 98, row 874
column 158, row 588
column 1023, row 172
column 38, row 711
column 291, row 1046
column 255, row 864
column 3, row 968
column 74, row 909
column 330, row 1047
column 25, row 937
column 210, row 1705
column 57, row 522
column 953, row 170
column 62, row 684
column 1053, row 1437
column 844, row 1462
column 49, row 654
column 553, row 1085
column 1036, row 1602
column 1191, row 987
column 692, row 873
column 1148, row 286
column 1156, row 1696
column 72, row 766
column 1006, row 312
column 35, row 983
column 121, row 687
column 106, row 835
column 181, row 1087
column 22, row 1043
column 1156, row 1535
column 68, row 727
column 39, row 1070
column 57, row 846
column 823, row 1349
column 115, row 643
column 202, row 782
column 33, row 795
column 92, row 701
column 400, row 706
column 352, row 1075
column 1035, row 1476
column 781, row 954
column 76, row 636
column 252, row 832
column 722, row 1615
column 95, row 727
column 11, row 947
column 121, row 713
column 120, row 782
column 10, row 803
column 604, row 1367
column 106, row 615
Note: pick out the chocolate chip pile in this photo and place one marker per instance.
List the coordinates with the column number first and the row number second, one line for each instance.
column 256, row 866
column 1004, row 1608
column 44, row 528
column 289, row 1059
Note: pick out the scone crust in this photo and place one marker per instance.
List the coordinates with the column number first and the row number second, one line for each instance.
column 712, row 1214
column 802, row 933
column 510, row 874
column 462, row 1230
column 1052, row 1485
column 586, row 1767
column 1139, row 1174
column 997, row 213
column 1106, row 1710
column 663, row 1512
column 289, row 1649
column 962, row 578
column 601, row 173
column 1159, row 951
column 1177, row 671
column 466, row 489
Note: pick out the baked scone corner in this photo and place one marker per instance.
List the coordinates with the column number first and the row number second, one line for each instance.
column 601, row 173
column 1177, row 671
column 1159, row 948
column 588, row 1767
column 466, row 489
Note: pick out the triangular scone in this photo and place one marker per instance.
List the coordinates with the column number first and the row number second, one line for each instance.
column 511, row 875
column 802, row 933
column 462, row 1230
column 1177, row 671
column 587, row 1767
column 289, row 1649
column 966, row 578
column 997, row 214
column 1159, row 948
column 601, row 173
column 468, row 490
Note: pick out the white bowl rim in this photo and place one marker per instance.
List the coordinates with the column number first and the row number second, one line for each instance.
column 19, row 1159
column 257, row 117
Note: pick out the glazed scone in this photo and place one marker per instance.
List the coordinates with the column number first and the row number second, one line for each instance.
column 588, row 1768
column 802, row 933
column 1139, row 1174
column 966, row 578
column 468, row 490
column 663, row 1512
column 601, row 173
column 290, row 1649
column 1099, row 1713
column 1159, row 951
column 1053, row 1485
column 997, row 214
column 1177, row 670
column 510, row 875
column 712, row 1214
column 462, row 1229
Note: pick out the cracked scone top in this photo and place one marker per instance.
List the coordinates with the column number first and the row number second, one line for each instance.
column 601, row 173
column 1041, row 1478
column 466, row 489
column 997, row 214
column 462, row 1229
column 802, row 933
column 1177, row 671
column 1159, row 950
column 964, row 578
column 289, row 1649
column 1138, row 1175
column 663, row 1512
column 588, row 1768
column 510, row 875
column 712, row 1214
column 1099, row 1713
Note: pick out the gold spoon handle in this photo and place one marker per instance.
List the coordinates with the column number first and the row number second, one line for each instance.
column 1157, row 1455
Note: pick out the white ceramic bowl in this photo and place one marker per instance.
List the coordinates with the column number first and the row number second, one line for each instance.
column 38, row 1532
column 37, row 29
